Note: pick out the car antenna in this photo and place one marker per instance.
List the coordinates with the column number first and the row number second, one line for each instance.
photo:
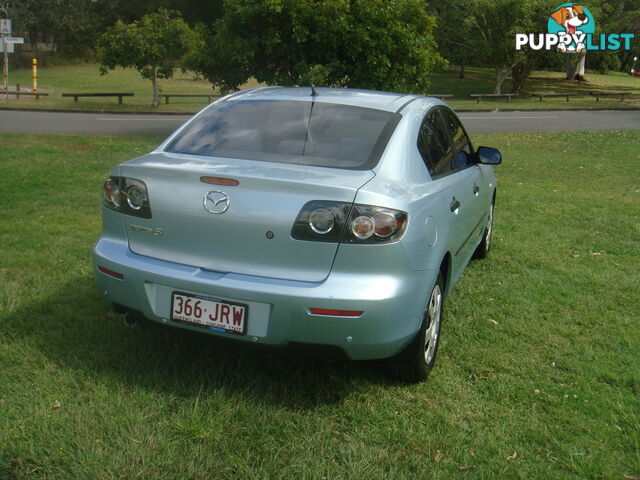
column 314, row 92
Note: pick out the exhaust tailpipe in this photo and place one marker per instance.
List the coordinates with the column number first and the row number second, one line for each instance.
column 130, row 320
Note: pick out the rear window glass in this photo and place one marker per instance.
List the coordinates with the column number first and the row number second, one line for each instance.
column 298, row 132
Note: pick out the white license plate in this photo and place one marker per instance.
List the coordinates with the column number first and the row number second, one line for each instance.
column 209, row 313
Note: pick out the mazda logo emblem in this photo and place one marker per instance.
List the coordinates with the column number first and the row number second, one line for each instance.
column 216, row 202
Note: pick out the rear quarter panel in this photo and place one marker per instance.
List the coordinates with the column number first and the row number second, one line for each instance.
column 402, row 181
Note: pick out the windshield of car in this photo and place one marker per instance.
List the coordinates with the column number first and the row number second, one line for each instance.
column 299, row 132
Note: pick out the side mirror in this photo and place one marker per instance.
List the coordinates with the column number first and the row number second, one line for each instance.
column 489, row 156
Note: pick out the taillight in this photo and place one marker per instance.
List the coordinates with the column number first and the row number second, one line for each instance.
column 362, row 227
column 321, row 221
column 127, row 195
column 325, row 221
column 111, row 193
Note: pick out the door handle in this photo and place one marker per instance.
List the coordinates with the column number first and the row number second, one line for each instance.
column 455, row 205
column 476, row 189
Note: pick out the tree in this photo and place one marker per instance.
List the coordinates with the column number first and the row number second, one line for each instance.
column 377, row 44
column 526, row 60
column 155, row 46
column 494, row 24
column 62, row 19
column 455, row 43
column 482, row 33
column 611, row 16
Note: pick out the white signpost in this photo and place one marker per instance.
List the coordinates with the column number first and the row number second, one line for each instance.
column 7, row 47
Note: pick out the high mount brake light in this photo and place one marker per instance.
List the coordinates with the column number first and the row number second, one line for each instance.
column 228, row 182
column 326, row 221
column 127, row 195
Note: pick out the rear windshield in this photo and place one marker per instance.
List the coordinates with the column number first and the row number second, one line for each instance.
column 298, row 132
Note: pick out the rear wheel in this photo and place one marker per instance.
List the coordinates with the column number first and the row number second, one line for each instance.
column 483, row 248
column 417, row 360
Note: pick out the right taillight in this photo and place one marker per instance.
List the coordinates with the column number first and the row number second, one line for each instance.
column 326, row 221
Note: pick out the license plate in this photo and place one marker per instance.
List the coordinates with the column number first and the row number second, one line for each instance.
column 211, row 313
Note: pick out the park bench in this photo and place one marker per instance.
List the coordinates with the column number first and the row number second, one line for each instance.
column 441, row 96
column 566, row 95
column 609, row 94
column 194, row 95
column 119, row 95
column 479, row 96
column 18, row 94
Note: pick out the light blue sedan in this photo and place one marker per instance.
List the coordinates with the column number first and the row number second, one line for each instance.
column 335, row 219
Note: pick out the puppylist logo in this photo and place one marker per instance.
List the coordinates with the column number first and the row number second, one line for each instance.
column 571, row 28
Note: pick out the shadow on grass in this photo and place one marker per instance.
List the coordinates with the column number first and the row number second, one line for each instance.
column 74, row 329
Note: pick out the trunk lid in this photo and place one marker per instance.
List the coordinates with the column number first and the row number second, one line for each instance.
column 253, row 235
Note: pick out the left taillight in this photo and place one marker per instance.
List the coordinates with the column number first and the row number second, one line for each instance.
column 126, row 195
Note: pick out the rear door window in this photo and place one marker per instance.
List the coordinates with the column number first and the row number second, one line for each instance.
column 461, row 155
column 434, row 144
column 299, row 132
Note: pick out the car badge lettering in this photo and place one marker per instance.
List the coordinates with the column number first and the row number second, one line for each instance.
column 156, row 232
column 216, row 202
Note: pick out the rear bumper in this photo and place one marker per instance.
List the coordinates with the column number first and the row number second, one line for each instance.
column 392, row 301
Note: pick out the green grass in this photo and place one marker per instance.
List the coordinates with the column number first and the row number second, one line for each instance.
column 482, row 80
column 86, row 78
column 537, row 375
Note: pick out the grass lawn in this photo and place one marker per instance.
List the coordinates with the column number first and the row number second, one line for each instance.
column 537, row 376
column 86, row 78
column 482, row 80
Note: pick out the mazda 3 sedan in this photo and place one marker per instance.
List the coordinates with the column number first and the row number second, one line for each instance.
column 333, row 218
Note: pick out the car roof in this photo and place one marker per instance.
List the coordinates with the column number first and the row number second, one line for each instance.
column 387, row 101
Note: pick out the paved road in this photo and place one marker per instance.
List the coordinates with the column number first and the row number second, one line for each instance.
column 553, row 121
column 16, row 121
column 476, row 122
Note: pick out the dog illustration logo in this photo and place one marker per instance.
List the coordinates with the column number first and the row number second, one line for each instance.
column 572, row 22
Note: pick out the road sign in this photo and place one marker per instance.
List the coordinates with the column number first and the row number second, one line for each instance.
column 14, row 39
column 9, row 47
column 5, row 26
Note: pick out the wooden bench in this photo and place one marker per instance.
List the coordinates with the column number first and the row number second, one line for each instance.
column 18, row 94
column 119, row 95
column 566, row 95
column 441, row 96
column 167, row 96
column 609, row 94
column 493, row 95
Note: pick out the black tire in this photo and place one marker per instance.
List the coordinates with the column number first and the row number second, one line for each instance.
column 483, row 248
column 415, row 362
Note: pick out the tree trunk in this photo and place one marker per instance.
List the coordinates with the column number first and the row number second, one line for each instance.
column 575, row 66
column 461, row 74
column 501, row 75
column 581, row 68
column 156, row 90
column 519, row 73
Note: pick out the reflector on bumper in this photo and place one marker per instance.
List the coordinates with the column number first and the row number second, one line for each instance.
column 335, row 313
